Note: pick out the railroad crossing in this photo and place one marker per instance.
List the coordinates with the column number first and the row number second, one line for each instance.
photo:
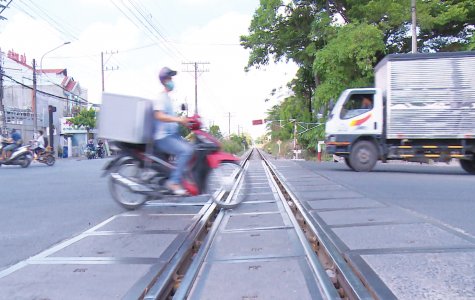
column 296, row 235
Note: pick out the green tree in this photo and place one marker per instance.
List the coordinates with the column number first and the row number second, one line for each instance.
column 215, row 131
column 85, row 118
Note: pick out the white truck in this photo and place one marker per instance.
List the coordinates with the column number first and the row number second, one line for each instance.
column 422, row 108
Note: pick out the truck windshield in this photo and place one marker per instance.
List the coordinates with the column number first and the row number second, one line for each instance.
column 356, row 104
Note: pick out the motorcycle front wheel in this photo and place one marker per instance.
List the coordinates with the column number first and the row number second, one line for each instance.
column 222, row 182
column 122, row 194
column 50, row 160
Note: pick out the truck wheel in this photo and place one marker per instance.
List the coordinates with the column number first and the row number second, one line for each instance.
column 347, row 162
column 363, row 156
column 468, row 165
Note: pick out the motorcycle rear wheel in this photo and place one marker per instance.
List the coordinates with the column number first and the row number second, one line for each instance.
column 222, row 180
column 122, row 194
column 25, row 162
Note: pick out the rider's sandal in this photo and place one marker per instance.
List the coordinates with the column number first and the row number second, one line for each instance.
column 176, row 189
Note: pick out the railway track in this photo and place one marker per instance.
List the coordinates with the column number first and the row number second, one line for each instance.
column 269, row 232
column 267, row 247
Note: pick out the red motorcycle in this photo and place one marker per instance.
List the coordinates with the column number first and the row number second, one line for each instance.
column 137, row 175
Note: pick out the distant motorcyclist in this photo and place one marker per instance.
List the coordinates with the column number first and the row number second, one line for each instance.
column 15, row 142
column 90, row 149
column 41, row 143
column 100, row 148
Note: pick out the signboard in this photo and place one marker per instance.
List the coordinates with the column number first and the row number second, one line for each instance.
column 68, row 128
column 21, row 58
column 257, row 122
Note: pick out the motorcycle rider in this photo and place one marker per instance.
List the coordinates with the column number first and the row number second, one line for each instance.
column 41, row 143
column 167, row 137
column 16, row 142
column 100, row 148
column 91, row 149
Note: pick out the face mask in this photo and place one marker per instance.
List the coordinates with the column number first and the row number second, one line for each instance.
column 170, row 85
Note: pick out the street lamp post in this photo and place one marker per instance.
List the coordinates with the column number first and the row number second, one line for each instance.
column 35, row 114
column 41, row 60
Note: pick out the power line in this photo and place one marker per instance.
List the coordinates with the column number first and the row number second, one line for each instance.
column 43, row 92
column 33, row 9
column 3, row 7
column 143, row 11
column 138, row 17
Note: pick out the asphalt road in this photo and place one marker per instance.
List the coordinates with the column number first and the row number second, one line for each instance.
column 41, row 205
column 444, row 193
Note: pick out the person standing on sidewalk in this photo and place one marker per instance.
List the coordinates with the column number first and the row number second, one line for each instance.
column 167, row 137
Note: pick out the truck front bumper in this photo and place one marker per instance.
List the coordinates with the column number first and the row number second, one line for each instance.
column 338, row 145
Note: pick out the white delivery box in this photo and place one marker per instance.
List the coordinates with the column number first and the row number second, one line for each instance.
column 126, row 119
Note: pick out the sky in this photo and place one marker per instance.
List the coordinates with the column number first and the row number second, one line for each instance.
column 205, row 31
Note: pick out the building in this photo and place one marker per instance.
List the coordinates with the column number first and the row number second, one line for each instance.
column 17, row 98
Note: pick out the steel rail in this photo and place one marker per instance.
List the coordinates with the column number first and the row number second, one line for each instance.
column 189, row 278
column 328, row 289
column 349, row 284
column 164, row 283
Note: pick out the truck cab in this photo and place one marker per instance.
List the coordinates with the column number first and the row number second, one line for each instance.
column 356, row 116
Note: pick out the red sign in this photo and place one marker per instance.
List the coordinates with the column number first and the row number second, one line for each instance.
column 257, row 122
column 16, row 57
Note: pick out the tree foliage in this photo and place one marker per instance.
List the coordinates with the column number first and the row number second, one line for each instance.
column 215, row 131
column 86, row 118
column 337, row 43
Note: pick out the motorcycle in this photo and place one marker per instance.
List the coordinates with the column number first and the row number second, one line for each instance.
column 100, row 151
column 137, row 175
column 45, row 156
column 21, row 156
column 90, row 152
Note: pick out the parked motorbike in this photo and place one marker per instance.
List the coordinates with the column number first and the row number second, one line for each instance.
column 136, row 175
column 21, row 156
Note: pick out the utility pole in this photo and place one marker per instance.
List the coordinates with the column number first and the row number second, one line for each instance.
column 104, row 68
column 295, row 134
column 414, row 26
column 51, row 110
column 2, row 107
column 229, row 124
column 34, row 105
column 196, row 70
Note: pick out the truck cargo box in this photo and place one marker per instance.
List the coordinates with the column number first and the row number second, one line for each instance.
column 126, row 118
column 428, row 96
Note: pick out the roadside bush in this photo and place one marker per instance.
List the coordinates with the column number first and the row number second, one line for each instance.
column 232, row 147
